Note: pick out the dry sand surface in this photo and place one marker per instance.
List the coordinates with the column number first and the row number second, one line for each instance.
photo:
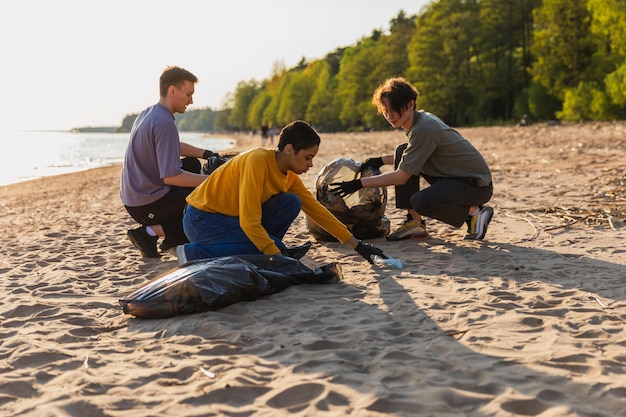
column 528, row 322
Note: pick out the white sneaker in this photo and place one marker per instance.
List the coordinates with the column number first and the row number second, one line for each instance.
column 180, row 254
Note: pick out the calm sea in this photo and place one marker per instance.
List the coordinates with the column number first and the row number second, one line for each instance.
column 30, row 155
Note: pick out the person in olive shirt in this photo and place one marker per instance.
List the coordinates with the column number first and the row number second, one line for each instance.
column 247, row 204
column 459, row 178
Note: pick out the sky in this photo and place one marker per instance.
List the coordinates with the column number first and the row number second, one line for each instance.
column 77, row 63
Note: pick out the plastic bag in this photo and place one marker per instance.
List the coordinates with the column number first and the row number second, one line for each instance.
column 362, row 212
column 211, row 284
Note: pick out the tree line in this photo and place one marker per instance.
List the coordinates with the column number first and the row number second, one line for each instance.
column 475, row 62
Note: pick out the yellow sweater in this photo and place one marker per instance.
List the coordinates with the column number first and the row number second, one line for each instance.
column 241, row 185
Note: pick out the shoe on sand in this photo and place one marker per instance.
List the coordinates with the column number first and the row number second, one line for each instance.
column 144, row 242
column 478, row 223
column 408, row 230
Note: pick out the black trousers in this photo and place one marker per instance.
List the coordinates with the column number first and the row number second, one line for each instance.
column 446, row 199
column 168, row 210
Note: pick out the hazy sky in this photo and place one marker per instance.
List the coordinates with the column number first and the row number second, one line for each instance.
column 75, row 63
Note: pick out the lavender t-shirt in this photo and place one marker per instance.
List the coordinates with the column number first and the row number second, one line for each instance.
column 153, row 153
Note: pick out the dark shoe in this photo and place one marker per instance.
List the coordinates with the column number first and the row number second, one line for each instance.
column 144, row 242
column 298, row 252
column 409, row 229
column 478, row 223
column 169, row 244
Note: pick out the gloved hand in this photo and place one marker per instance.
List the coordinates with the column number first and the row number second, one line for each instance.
column 374, row 163
column 345, row 188
column 209, row 154
column 368, row 250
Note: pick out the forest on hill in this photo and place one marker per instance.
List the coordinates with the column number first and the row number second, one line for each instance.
column 475, row 62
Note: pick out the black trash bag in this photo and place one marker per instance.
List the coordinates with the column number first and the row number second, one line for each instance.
column 210, row 284
column 362, row 212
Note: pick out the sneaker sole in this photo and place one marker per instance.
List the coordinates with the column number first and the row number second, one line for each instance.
column 483, row 225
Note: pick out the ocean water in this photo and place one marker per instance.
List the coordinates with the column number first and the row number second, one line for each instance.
column 35, row 154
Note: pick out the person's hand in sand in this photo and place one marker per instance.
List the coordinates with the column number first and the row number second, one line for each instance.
column 247, row 205
column 459, row 178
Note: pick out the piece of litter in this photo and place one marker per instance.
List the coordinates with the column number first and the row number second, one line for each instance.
column 388, row 261
column 207, row 373
column 597, row 300
column 86, row 363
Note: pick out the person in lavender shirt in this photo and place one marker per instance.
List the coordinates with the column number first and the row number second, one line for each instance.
column 159, row 170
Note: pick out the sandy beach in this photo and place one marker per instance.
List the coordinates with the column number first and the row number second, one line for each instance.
column 528, row 322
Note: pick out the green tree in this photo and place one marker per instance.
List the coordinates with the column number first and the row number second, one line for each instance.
column 356, row 64
column 322, row 110
column 441, row 54
column 243, row 96
column 609, row 22
column 298, row 90
column 257, row 109
column 501, row 56
column 563, row 48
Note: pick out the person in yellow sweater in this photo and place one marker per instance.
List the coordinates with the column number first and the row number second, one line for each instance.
column 247, row 204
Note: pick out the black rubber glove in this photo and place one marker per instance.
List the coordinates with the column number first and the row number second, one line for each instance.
column 368, row 250
column 208, row 154
column 345, row 188
column 374, row 163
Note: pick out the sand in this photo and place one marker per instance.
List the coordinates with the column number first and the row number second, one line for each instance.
column 528, row 322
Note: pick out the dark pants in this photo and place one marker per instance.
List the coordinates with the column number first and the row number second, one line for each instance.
column 168, row 210
column 446, row 199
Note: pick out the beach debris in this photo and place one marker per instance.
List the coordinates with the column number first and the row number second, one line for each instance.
column 86, row 362
column 387, row 262
column 602, row 305
column 569, row 216
column 207, row 373
column 363, row 212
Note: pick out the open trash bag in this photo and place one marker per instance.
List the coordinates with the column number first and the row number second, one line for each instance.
column 211, row 284
column 362, row 212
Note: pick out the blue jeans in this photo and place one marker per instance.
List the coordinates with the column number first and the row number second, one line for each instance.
column 213, row 235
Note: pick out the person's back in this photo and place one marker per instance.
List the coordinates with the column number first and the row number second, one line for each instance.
column 148, row 157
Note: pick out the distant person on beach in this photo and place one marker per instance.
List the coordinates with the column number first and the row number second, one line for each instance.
column 459, row 178
column 270, row 134
column 155, row 180
column 247, row 205
column 264, row 131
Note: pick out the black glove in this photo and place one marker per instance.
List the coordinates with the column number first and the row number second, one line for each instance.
column 343, row 189
column 297, row 252
column 208, row 154
column 374, row 163
column 367, row 250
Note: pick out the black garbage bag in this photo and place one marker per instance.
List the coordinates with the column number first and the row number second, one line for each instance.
column 362, row 212
column 210, row 284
